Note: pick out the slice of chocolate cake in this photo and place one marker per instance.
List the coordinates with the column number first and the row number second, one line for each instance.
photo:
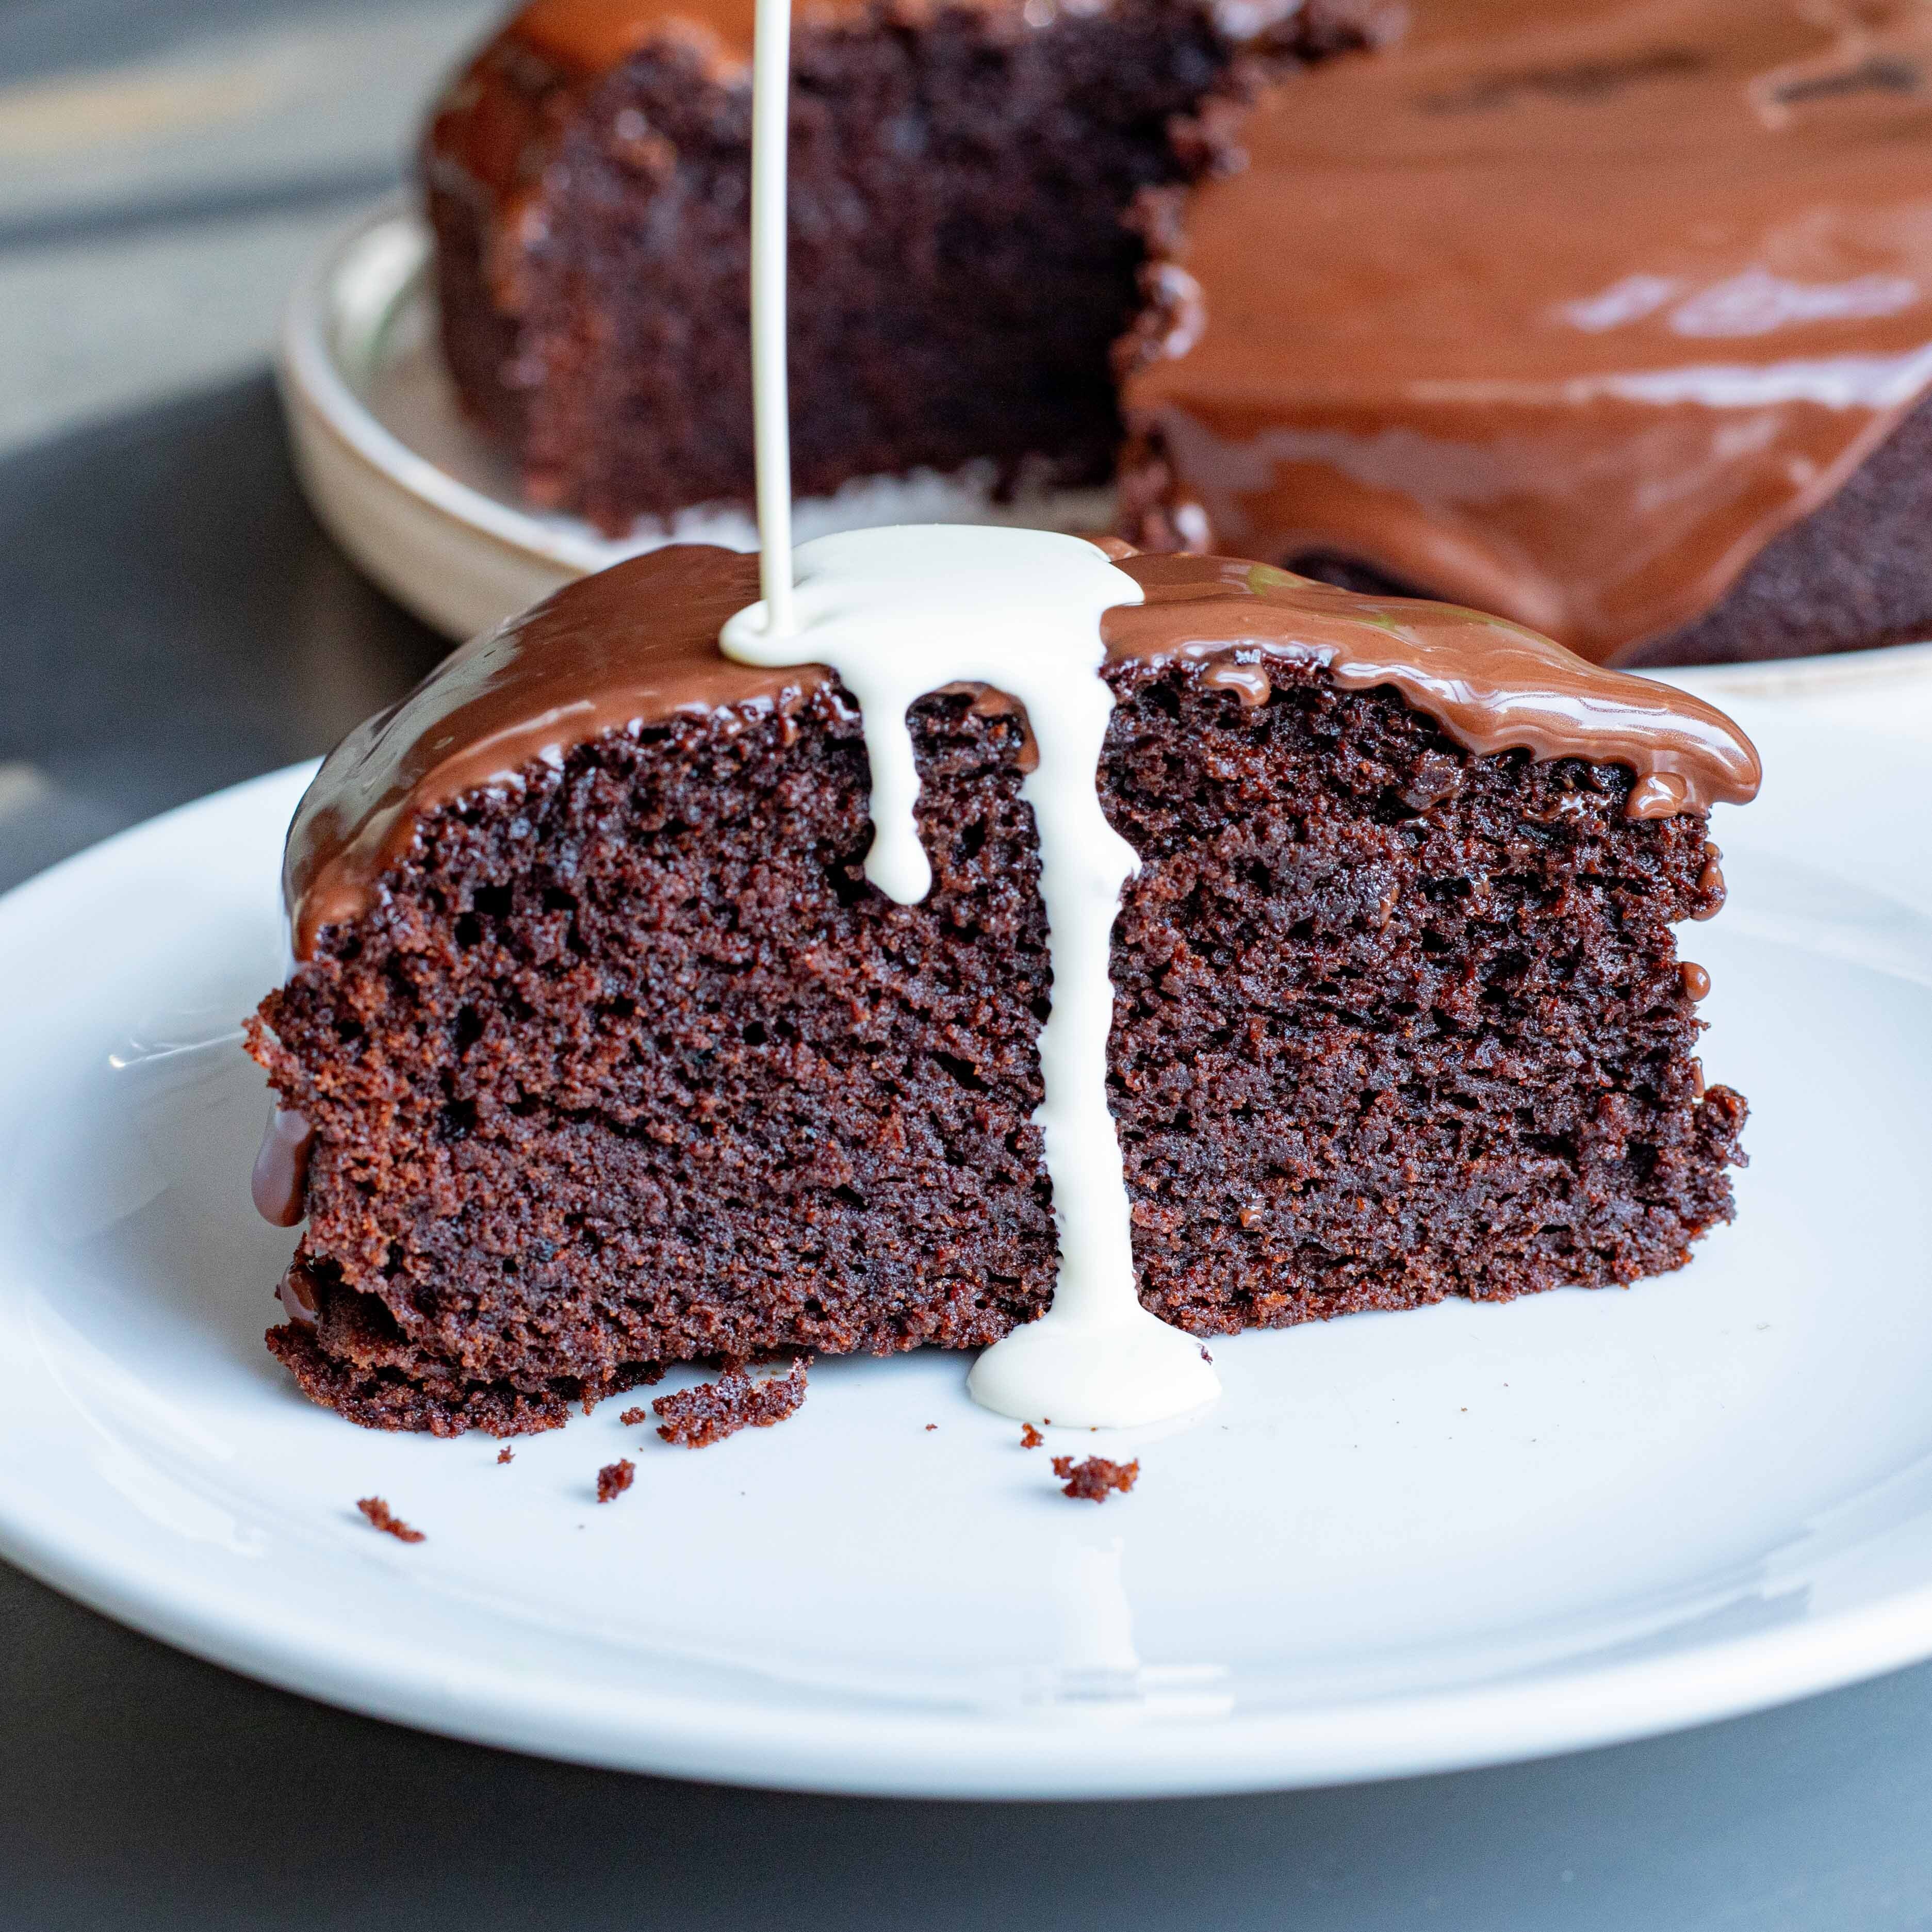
column 612, row 1054
column 961, row 263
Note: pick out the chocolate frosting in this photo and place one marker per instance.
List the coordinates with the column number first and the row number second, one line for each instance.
column 635, row 644
column 1562, row 311
column 638, row 645
column 1491, row 685
column 279, row 1185
column 590, row 37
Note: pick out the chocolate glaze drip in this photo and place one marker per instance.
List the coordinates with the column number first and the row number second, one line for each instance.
column 1490, row 684
column 1563, row 311
column 280, row 1183
column 296, row 1293
column 637, row 645
column 1711, row 883
column 634, row 645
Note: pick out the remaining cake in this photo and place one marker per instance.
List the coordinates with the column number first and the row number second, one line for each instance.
column 1613, row 317
column 961, row 263
column 606, row 1054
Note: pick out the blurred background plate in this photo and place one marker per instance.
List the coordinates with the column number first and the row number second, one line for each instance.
column 433, row 512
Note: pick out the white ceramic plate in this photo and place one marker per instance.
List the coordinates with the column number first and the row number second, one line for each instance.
column 1400, row 1543
column 433, row 513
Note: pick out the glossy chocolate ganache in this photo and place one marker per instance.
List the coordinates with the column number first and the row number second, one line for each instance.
column 1568, row 310
column 637, row 644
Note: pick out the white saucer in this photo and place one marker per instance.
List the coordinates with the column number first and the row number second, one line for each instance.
column 1399, row 1544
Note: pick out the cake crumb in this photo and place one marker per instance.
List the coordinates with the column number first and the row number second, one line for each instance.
column 1030, row 1437
column 1092, row 1481
column 931, row 1427
column 1204, row 1356
column 382, row 1517
column 614, row 1478
column 631, row 1417
column 694, row 1418
column 506, row 1454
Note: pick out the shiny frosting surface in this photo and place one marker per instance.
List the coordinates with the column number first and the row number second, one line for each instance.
column 587, row 36
column 638, row 645
column 1562, row 309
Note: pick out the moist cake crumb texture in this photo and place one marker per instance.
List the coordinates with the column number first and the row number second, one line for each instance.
column 1094, row 1479
column 382, row 1517
column 694, row 1418
column 961, row 258
column 614, row 1478
column 621, row 1061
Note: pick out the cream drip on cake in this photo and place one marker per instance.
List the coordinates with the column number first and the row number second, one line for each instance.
column 897, row 612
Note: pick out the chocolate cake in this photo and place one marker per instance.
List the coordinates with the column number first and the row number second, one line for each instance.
column 1614, row 318
column 607, row 1053
column 960, row 262
column 1611, row 317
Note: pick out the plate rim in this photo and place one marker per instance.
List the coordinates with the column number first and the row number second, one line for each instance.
column 889, row 1755
column 881, row 1753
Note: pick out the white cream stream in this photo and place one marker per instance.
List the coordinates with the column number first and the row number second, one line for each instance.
column 899, row 612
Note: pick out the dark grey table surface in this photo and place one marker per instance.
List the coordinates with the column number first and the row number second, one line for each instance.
column 171, row 619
